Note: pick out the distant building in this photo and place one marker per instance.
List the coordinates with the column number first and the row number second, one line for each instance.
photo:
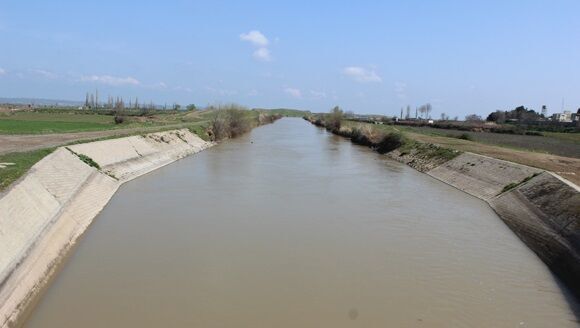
column 566, row 116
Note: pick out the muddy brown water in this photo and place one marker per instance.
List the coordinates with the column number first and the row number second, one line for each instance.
column 290, row 226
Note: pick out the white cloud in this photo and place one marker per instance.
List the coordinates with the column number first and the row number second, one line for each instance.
column 317, row 94
column 253, row 93
column 296, row 93
column 255, row 37
column 111, row 80
column 262, row 54
column 259, row 40
column 360, row 74
column 44, row 74
column 2, row 71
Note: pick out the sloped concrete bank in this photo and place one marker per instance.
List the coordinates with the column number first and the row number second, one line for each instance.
column 540, row 207
column 43, row 215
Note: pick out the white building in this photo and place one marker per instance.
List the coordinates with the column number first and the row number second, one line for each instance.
column 566, row 116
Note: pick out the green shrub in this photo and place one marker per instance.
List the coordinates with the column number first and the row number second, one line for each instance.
column 89, row 161
column 86, row 159
column 389, row 143
column 200, row 131
column 513, row 185
column 334, row 119
column 119, row 119
column 534, row 133
column 231, row 121
column 465, row 136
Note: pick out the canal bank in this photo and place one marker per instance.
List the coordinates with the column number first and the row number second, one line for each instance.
column 46, row 211
column 542, row 208
column 290, row 226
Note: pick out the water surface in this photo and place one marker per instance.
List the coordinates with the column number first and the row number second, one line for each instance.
column 290, row 226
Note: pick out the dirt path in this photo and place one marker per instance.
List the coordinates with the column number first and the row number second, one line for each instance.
column 20, row 143
column 566, row 167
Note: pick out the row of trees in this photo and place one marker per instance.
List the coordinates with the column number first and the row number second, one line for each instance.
column 117, row 103
column 423, row 110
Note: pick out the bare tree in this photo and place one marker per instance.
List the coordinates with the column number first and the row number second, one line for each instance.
column 425, row 110
column 473, row 118
column 422, row 111
column 334, row 119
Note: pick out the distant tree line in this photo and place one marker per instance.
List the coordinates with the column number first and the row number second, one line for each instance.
column 118, row 103
column 520, row 114
column 423, row 111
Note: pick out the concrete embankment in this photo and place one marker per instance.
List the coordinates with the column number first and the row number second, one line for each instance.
column 43, row 214
column 540, row 207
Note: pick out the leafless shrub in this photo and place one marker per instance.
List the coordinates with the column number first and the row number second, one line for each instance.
column 229, row 121
column 334, row 119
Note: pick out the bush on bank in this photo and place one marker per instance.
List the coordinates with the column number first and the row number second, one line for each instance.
column 362, row 134
column 230, row 121
column 382, row 141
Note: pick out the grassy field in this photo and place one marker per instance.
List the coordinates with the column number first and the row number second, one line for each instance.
column 46, row 122
column 72, row 116
column 42, row 127
column 562, row 144
column 21, row 163
column 571, row 137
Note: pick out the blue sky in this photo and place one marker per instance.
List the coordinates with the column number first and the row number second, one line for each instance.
column 366, row 56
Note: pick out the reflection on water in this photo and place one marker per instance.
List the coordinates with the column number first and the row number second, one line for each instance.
column 292, row 227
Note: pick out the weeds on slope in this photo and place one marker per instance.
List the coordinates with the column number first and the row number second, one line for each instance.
column 380, row 139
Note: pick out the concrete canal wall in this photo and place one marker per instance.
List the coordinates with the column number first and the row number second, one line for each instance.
column 43, row 215
column 540, row 207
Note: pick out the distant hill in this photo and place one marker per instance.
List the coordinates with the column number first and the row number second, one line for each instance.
column 40, row 102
